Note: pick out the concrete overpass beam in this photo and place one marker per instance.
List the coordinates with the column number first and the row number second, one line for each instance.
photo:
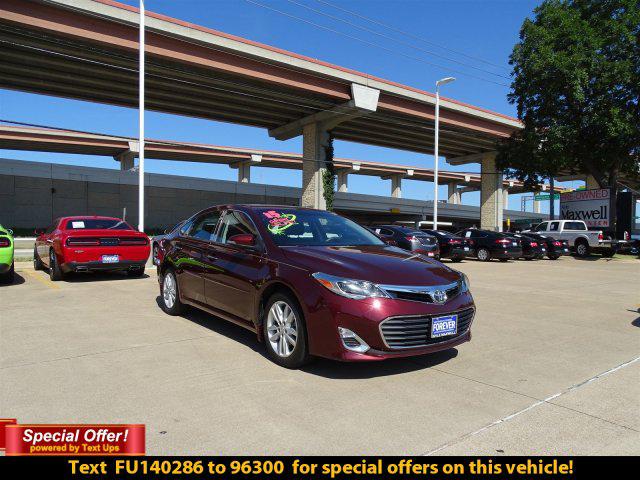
column 490, row 194
column 455, row 196
column 364, row 100
column 127, row 157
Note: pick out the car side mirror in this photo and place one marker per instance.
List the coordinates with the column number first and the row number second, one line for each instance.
column 10, row 232
column 244, row 239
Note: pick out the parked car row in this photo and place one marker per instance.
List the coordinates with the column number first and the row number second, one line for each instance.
column 306, row 282
column 6, row 255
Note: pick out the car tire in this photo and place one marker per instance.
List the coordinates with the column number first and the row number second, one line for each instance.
column 608, row 253
column 55, row 273
column 582, row 249
column 37, row 263
column 136, row 273
column 282, row 310
column 505, row 260
column 528, row 258
column 483, row 254
column 9, row 276
column 553, row 257
column 456, row 259
column 170, row 294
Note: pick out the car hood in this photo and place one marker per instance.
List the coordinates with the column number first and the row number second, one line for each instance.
column 380, row 264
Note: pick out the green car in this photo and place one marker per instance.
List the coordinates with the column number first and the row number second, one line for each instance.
column 6, row 255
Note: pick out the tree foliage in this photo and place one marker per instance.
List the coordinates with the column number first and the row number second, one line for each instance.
column 576, row 85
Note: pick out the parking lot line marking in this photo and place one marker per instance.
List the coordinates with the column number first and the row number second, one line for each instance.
column 535, row 405
column 36, row 276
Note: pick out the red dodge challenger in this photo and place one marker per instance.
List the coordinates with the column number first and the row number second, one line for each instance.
column 83, row 244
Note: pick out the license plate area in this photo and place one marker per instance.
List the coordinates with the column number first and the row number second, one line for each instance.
column 444, row 326
column 110, row 258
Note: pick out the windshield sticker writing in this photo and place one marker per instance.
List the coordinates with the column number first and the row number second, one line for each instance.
column 279, row 222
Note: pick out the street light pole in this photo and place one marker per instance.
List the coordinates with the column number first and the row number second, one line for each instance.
column 443, row 81
column 141, row 121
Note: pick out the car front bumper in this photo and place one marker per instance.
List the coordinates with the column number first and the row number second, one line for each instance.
column 364, row 318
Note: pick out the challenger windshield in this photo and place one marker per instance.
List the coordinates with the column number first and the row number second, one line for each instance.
column 293, row 227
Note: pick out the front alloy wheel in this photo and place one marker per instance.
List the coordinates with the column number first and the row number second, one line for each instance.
column 284, row 331
column 483, row 254
column 282, row 327
column 170, row 294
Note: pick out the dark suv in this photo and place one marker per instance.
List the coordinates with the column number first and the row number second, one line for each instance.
column 410, row 239
column 488, row 244
column 312, row 283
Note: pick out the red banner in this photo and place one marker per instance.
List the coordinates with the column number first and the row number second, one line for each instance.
column 74, row 440
column 3, row 423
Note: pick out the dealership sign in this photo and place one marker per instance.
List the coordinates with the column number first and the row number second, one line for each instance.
column 593, row 207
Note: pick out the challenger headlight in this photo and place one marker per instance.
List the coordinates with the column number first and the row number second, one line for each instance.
column 356, row 289
column 466, row 285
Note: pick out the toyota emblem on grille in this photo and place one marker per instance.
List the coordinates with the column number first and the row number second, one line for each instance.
column 439, row 296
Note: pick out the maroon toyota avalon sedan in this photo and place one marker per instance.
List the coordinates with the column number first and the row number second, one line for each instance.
column 312, row 283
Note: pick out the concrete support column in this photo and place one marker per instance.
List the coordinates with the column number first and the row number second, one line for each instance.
column 591, row 183
column 127, row 158
column 536, row 205
column 505, row 198
column 490, row 194
column 396, row 186
column 244, row 172
column 314, row 141
column 343, row 180
column 455, row 195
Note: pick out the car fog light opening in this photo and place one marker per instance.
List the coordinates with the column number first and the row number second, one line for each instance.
column 351, row 341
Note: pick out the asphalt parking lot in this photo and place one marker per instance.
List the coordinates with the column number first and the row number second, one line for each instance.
column 553, row 368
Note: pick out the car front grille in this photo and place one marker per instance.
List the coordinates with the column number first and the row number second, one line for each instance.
column 415, row 331
column 416, row 293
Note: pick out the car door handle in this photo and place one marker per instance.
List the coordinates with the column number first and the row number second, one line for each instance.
column 211, row 257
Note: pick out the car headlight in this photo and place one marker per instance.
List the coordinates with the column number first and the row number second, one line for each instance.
column 466, row 284
column 356, row 289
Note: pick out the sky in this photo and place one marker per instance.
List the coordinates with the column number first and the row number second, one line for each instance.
column 468, row 39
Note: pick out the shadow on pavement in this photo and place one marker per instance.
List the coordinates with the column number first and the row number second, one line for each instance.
column 17, row 280
column 319, row 366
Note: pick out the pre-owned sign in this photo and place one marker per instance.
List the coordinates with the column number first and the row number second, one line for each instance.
column 591, row 206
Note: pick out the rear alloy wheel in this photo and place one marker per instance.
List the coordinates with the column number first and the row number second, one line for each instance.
column 483, row 254
column 37, row 263
column 171, row 303
column 582, row 249
column 284, row 332
column 55, row 273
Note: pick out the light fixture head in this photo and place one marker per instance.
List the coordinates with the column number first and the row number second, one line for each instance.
column 444, row 81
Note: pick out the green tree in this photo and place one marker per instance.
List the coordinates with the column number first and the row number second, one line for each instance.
column 576, row 83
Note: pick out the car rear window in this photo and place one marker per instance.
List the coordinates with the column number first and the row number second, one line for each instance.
column 97, row 224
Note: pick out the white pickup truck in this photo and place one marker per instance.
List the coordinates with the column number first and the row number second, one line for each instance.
column 582, row 240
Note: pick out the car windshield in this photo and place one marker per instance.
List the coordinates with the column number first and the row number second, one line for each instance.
column 293, row 227
column 97, row 224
